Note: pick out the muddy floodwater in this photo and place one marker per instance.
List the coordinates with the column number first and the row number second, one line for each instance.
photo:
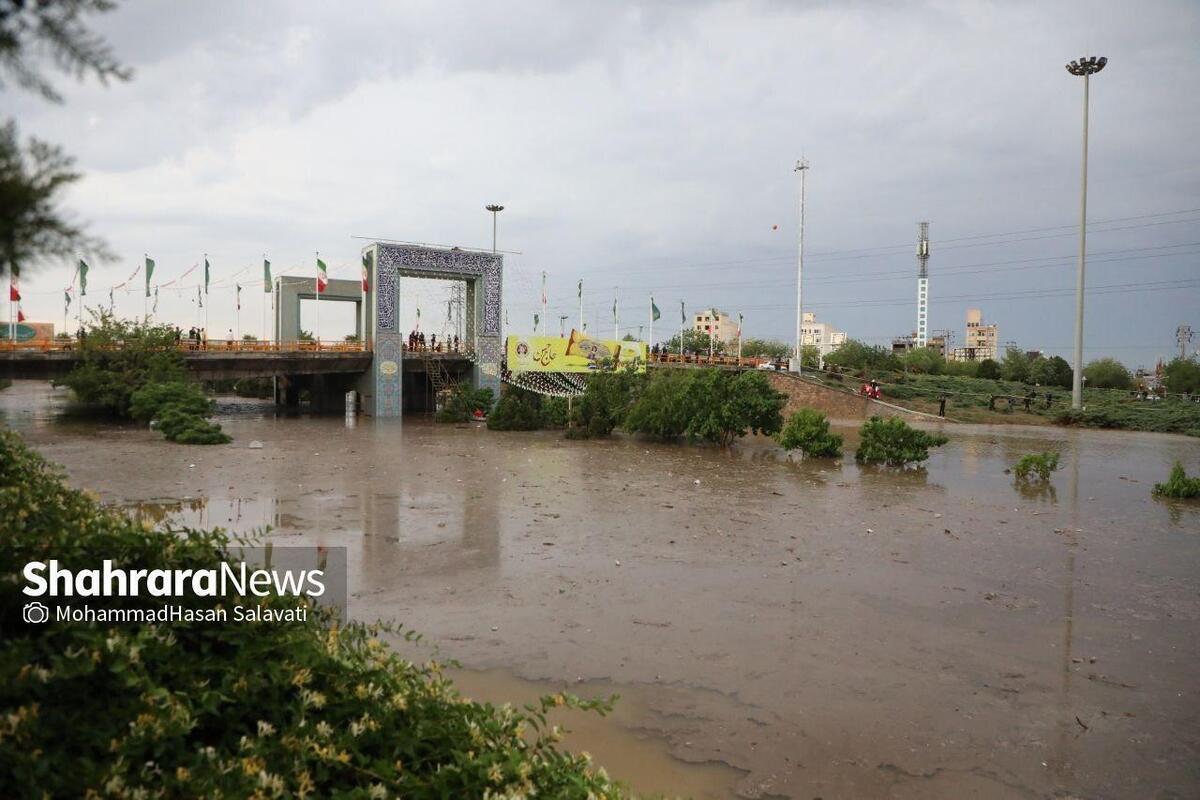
column 774, row 628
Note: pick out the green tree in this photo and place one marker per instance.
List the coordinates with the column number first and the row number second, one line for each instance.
column 924, row 361
column 709, row 404
column 893, row 442
column 988, row 368
column 32, row 227
column 1107, row 373
column 517, row 410
column 765, row 348
column 33, row 179
column 853, row 354
column 697, row 342
column 1015, row 365
column 605, row 402
column 118, row 357
column 808, row 431
column 1053, row 371
column 1182, row 375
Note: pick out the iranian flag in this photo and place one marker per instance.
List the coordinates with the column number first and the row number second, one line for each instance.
column 366, row 271
column 20, row 315
column 14, row 286
column 322, row 276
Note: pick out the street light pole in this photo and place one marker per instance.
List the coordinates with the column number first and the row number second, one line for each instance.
column 495, row 209
column 1085, row 68
column 802, row 168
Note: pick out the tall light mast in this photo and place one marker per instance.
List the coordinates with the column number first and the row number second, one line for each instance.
column 797, row 365
column 922, row 284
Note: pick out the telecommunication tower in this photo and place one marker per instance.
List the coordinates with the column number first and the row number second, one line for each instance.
column 922, row 284
column 1183, row 335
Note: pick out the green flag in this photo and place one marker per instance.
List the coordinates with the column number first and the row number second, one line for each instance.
column 149, row 273
column 66, row 301
column 682, row 314
column 266, row 276
column 83, row 271
column 655, row 315
column 206, row 274
column 579, row 294
column 536, row 319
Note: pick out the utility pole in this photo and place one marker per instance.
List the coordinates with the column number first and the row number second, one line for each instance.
column 1085, row 68
column 1183, row 335
column 802, row 168
column 562, row 326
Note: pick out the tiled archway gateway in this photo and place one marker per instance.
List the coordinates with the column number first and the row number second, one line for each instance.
column 482, row 273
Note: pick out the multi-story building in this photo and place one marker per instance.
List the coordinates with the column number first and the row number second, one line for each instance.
column 822, row 335
column 717, row 324
column 981, row 340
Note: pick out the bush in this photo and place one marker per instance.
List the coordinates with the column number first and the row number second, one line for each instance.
column 464, row 402
column 518, row 410
column 231, row 710
column 181, row 426
column 709, row 404
column 853, row 354
column 988, row 368
column 808, row 431
column 605, row 402
column 1178, row 485
column 555, row 412
column 1107, row 373
column 118, row 357
column 1040, row 465
column 894, row 442
column 147, row 402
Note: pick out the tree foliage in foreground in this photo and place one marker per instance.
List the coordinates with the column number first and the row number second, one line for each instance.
column 808, row 431
column 894, row 442
column 236, row 709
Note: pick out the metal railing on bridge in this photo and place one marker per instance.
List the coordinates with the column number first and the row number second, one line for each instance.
column 704, row 359
column 199, row 346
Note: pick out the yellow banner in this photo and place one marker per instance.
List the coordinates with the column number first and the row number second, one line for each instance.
column 575, row 354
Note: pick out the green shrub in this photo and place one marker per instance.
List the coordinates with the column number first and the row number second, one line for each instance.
column 146, row 402
column 118, row 357
column 555, row 412
column 808, row 431
column 464, row 402
column 605, row 402
column 1039, row 465
column 180, row 425
column 710, row 404
column 1178, row 485
column 231, row 710
column 894, row 442
column 665, row 406
column 518, row 410
column 1182, row 375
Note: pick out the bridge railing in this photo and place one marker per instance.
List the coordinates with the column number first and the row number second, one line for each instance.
column 198, row 346
column 704, row 359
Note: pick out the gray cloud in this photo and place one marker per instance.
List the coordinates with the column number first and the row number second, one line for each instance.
column 649, row 146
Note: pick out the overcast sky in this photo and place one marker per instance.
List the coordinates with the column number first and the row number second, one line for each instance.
column 648, row 149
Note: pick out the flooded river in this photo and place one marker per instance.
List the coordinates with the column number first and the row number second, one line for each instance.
column 774, row 628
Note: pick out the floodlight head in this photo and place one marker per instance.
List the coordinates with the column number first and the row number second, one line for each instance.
column 493, row 207
column 1088, row 65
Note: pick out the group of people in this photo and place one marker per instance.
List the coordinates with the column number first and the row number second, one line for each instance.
column 871, row 389
column 417, row 341
column 195, row 336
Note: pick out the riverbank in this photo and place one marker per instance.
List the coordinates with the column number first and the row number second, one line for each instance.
column 821, row 629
